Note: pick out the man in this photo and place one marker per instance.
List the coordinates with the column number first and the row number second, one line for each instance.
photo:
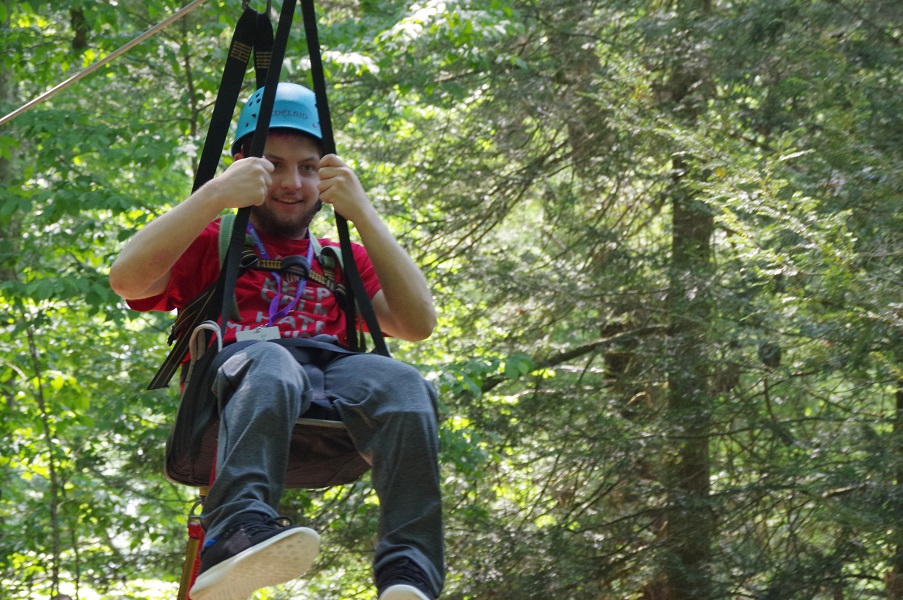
column 261, row 388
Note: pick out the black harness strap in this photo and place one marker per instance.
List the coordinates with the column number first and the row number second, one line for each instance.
column 229, row 274
column 193, row 314
column 356, row 296
column 253, row 32
column 263, row 47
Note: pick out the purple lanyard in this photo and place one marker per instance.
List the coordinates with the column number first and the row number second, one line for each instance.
column 275, row 314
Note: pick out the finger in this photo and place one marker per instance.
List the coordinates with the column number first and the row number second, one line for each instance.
column 327, row 172
column 331, row 160
column 324, row 187
column 262, row 195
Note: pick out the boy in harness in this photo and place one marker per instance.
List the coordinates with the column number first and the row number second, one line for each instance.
column 259, row 386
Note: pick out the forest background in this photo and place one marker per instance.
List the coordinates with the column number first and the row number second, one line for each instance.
column 664, row 237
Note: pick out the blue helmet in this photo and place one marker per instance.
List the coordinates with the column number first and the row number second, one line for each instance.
column 295, row 108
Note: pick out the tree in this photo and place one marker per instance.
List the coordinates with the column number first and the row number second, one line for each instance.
column 664, row 238
column 67, row 343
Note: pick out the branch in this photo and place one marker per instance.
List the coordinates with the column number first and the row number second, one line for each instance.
column 568, row 355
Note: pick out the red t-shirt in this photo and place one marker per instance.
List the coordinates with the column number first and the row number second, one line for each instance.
column 316, row 312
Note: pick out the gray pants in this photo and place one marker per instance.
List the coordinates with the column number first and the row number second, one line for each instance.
column 391, row 415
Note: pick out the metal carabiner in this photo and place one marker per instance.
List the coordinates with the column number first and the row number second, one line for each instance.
column 193, row 511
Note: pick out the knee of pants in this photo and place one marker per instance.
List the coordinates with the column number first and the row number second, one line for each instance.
column 400, row 387
column 263, row 366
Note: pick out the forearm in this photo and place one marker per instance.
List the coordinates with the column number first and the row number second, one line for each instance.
column 404, row 306
column 409, row 312
column 142, row 268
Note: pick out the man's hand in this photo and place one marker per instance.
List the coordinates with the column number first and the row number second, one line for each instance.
column 340, row 187
column 245, row 183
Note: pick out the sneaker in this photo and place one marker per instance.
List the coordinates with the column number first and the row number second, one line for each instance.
column 403, row 580
column 257, row 553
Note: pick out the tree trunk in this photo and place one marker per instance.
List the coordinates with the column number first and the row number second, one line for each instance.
column 9, row 233
column 893, row 579
column 690, row 519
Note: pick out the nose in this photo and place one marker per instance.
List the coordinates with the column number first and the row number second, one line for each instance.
column 291, row 180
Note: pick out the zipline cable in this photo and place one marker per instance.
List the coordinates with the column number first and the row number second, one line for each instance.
column 110, row 57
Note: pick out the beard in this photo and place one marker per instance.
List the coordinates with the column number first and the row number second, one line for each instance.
column 291, row 227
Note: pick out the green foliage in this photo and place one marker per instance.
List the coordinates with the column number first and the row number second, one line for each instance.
column 529, row 155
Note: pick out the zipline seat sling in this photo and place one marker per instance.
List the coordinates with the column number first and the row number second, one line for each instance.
column 322, row 453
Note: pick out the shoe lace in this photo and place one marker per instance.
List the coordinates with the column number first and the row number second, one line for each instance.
column 265, row 525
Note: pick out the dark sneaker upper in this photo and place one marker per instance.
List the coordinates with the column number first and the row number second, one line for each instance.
column 258, row 552
column 403, row 572
column 249, row 532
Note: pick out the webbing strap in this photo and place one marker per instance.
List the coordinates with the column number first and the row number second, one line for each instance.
column 263, row 48
column 190, row 316
column 278, row 265
column 355, row 289
column 253, row 32
column 229, row 274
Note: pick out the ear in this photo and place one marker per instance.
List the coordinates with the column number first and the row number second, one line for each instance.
column 238, row 155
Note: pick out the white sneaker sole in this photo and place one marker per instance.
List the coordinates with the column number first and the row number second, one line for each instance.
column 277, row 560
column 402, row 592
